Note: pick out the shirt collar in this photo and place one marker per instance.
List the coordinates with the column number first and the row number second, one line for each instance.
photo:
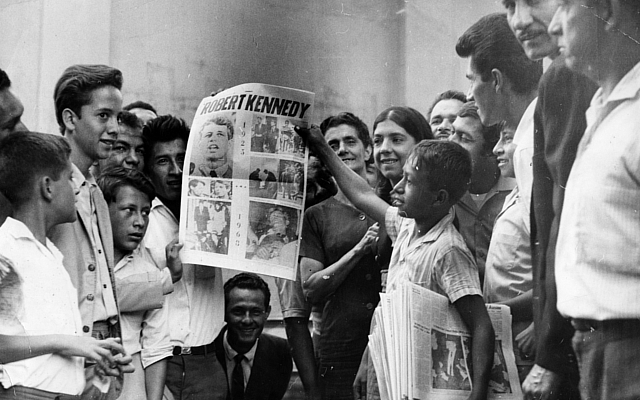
column 434, row 233
column 78, row 177
column 231, row 353
column 123, row 262
column 19, row 230
column 627, row 88
column 220, row 171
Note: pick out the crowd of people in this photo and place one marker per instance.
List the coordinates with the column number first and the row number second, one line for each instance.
column 523, row 192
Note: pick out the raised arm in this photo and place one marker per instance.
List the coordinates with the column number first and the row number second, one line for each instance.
column 353, row 186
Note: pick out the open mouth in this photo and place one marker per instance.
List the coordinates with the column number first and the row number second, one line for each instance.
column 389, row 161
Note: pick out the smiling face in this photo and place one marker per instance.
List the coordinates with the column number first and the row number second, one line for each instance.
column 11, row 110
column 95, row 130
column 217, row 141
column 129, row 214
column 529, row 20
column 391, row 146
column 443, row 115
column 165, row 171
column 127, row 151
column 245, row 315
column 344, row 140
column 504, row 150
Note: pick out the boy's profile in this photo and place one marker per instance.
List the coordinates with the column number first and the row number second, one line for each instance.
column 145, row 332
column 41, row 341
column 428, row 250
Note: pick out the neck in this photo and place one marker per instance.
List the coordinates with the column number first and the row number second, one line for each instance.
column 516, row 107
column 119, row 254
column 424, row 225
column 484, row 182
column 36, row 219
column 612, row 73
column 79, row 159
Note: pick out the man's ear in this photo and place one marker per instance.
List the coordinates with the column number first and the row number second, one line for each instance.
column 69, row 119
column 368, row 151
column 268, row 311
column 497, row 79
column 45, row 187
column 442, row 198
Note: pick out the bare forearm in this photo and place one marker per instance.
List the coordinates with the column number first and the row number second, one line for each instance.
column 521, row 306
column 154, row 376
column 319, row 285
column 16, row 348
column 302, row 351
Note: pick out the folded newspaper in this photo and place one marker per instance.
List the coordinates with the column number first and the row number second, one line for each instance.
column 426, row 353
column 244, row 180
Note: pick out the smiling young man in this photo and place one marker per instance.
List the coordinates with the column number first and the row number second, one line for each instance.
column 195, row 312
column 128, row 149
column 444, row 111
column 598, row 248
column 337, row 266
column 254, row 365
column 559, row 123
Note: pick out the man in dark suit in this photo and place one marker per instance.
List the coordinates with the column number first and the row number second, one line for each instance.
column 201, row 216
column 254, row 369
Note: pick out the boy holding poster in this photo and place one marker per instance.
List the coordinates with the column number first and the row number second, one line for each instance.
column 427, row 248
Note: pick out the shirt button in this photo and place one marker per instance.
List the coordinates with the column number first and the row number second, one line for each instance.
column 369, row 306
column 362, row 217
column 90, row 297
column 85, row 329
column 368, row 277
column 92, row 267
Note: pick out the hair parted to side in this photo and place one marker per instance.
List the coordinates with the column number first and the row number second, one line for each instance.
column 129, row 120
column 247, row 280
column 165, row 128
column 447, row 95
column 493, row 45
column 115, row 178
column 219, row 120
column 409, row 119
column 140, row 104
column 74, row 88
column 490, row 134
column 347, row 118
column 5, row 82
column 446, row 164
column 28, row 156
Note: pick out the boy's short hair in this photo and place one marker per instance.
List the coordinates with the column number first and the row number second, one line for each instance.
column 346, row 118
column 113, row 179
column 447, row 165
column 141, row 105
column 129, row 120
column 219, row 120
column 247, row 280
column 490, row 134
column 165, row 128
column 74, row 88
column 27, row 156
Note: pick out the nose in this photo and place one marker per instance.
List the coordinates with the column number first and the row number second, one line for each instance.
column 498, row 148
column 112, row 125
column 555, row 26
column 385, row 146
column 470, row 93
column 176, row 168
column 521, row 17
column 138, row 220
column 20, row 126
column 342, row 148
column 132, row 158
column 398, row 188
column 453, row 138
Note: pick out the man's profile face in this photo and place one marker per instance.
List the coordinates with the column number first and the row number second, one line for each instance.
column 11, row 110
column 468, row 134
column 529, row 21
column 96, row 128
column 217, row 139
column 165, row 171
column 127, row 151
column 483, row 94
column 245, row 315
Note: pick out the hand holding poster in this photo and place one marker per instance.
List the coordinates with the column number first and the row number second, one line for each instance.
column 244, row 180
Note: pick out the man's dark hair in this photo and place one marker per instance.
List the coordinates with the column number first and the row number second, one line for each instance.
column 195, row 182
column 346, row 118
column 113, row 179
column 165, row 128
column 140, row 104
column 411, row 120
column 130, row 120
column 74, row 88
column 493, row 45
column 490, row 134
column 447, row 165
column 27, row 156
column 447, row 95
column 247, row 280
column 5, row 82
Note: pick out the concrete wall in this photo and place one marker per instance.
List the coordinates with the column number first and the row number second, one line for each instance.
column 356, row 55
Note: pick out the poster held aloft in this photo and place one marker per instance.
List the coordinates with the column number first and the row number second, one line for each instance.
column 244, row 180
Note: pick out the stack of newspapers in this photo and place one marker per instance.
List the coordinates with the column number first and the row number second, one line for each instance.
column 421, row 348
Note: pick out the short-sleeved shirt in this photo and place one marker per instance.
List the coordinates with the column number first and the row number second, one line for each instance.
column 38, row 298
column 145, row 331
column 439, row 260
column 331, row 229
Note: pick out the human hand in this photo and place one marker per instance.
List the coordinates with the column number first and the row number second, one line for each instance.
column 313, row 136
column 541, row 384
column 172, row 253
column 263, row 253
column 369, row 240
column 360, row 383
column 526, row 341
column 102, row 352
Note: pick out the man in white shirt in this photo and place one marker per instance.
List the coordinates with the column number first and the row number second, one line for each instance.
column 197, row 304
column 598, row 249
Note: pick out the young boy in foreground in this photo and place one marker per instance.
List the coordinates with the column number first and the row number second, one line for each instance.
column 41, row 341
column 145, row 333
column 427, row 248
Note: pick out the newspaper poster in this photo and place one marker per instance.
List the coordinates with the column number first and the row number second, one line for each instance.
column 244, row 179
column 434, row 360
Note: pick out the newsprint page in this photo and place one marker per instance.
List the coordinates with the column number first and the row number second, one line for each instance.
column 244, row 180
column 426, row 353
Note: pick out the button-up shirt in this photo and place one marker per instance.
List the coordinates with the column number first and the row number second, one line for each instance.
column 247, row 361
